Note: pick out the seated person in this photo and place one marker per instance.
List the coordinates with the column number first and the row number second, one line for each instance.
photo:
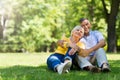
column 94, row 43
column 61, row 60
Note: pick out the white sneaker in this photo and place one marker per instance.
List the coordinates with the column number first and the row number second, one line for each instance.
column 105, row 67
column 67, row 71
column 62, row 68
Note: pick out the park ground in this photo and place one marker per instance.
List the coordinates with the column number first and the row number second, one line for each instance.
column 21, row 66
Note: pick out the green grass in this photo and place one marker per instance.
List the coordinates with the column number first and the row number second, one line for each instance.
column 33, row 67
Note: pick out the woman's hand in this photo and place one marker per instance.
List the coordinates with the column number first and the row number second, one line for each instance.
column 74, row 46
column 61, row 43
column 72, row 52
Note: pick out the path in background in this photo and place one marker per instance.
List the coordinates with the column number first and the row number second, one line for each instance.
column 34, row 59
column 12, row 59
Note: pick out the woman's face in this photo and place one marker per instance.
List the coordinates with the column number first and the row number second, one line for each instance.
column 78, row 33
column 86, row 26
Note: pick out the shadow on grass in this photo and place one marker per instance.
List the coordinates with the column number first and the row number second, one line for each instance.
column 42, row 73
column 30, row 73
column 23, row 72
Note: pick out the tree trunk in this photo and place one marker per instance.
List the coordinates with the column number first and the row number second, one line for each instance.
column 1, row 32
column 2, row 28
column 111, row 21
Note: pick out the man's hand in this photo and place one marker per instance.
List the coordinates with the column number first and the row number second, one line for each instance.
column 84, row 52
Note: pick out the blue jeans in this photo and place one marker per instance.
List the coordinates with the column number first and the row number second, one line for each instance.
column 55, row 59
column 70, row 57
column 100, row 57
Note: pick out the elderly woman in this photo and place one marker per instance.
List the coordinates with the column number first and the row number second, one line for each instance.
column 61, row 60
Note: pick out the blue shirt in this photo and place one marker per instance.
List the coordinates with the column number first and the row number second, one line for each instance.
column 92, row 39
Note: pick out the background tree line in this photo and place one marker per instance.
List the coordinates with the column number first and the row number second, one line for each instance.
column 35, row 25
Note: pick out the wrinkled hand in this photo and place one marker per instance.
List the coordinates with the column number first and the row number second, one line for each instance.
column 74, row 46
column 72, row 52
column 60, row 42
column 84, row 52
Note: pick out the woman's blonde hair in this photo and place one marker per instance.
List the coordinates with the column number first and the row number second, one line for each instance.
column 75, row 28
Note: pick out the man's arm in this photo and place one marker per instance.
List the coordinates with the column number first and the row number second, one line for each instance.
column 101, row 43
column 86, row 52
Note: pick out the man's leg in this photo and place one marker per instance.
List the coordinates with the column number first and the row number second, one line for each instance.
column 102, row 60
column 101, row 56
column 86, row 65
column 82, row 62
column 93, row 60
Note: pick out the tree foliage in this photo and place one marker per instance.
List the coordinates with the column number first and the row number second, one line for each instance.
column 35, row 25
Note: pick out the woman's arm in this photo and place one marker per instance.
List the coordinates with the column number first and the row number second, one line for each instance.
column 63, row 43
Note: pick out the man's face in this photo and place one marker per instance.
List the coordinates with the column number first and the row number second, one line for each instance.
column 86, row 26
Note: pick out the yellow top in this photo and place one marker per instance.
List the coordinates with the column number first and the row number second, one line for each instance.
column 63, row 50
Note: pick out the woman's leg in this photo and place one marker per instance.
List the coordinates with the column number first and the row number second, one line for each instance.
column 54, row 60
column 56, row 63
column 68, row 56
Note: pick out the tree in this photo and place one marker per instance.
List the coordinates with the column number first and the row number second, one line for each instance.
column 35, row 25
column 111, row 22
column 3, row 20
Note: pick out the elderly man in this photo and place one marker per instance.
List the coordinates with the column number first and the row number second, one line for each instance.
column 94, row 43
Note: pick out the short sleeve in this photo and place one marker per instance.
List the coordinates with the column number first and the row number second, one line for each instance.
column 98, row 35
column 81, row 45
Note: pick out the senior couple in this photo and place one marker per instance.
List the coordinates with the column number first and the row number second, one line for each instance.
column 83, row 46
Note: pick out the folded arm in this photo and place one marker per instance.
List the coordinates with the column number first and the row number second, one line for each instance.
column 86, row 52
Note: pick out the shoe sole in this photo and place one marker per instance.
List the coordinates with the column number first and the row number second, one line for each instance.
column 105, row 70
column 95, row 70
column 66, row 67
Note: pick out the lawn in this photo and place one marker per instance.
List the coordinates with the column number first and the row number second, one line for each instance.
column 19, row 66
